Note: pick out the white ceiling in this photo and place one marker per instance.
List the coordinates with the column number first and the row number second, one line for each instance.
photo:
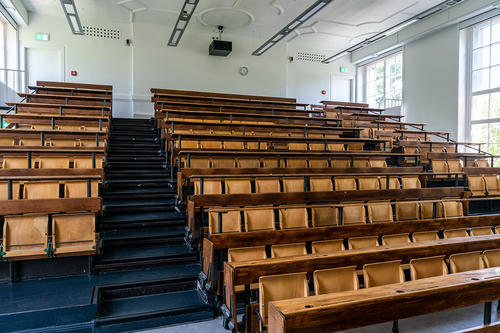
column 341, row 24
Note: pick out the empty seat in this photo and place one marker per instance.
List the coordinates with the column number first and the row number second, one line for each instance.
column 318, row 163
column 345, row 184
column 10, row 142
column 4, row 190
column 231, row 221
column 377, row 163
column 297, row 146
column 481, row 231
column 15, row 162
column 335, row 147
column 254, row 145
column 491, row 258
column 293, row 184
column 393, row 183
column 25, row 236
column 328, row 246
column 361, row 163
column 267, row 185
column 439, row 166
column 246, row 254
column 463, row 262
column 259, row 219
column 188, row 144
column 356, row 243
column 64, row 143
column 395, row 239
column 80, row 189
column 422, row 268
column 452, row 208
column 53, row 162
column 211, row 145
column 235, row 186
column 368, row 183
column 317, row 146
column 410, row 182
column 455, row 233
column 477, row 186
column 383, row 273
column 272, row 163
column 87, row 163
column 355, row 146
column 492, row 184
column 73, row 234
column 407, row 210
column 335, row 280
column 220, row 162
column 428, row 208
column 296, row 162
column 248, row 163
column 234, row 145
column 353, row 214
column 288, row 250
column 424, row 236
column 481, row 164
column 31, row 142
column 291, row 218
column 379, row 212
column 338, row 163
column 210, row 186
column 199, row 163
column 320, row 184
column 455, row 166
column 280, row 287
column 41, row 190
column 324, row 216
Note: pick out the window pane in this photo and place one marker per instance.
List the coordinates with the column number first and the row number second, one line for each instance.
column 480, row 79
column 482, row 35
column 479, row 133
column 380, row 70
column 495, row 105
column 495, row 77
column 481, row 58
column 495, row 133
column 480, row 105
column 495, row 36
column 495, row 55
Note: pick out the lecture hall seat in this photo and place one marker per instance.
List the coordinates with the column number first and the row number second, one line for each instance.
column 293, row 184
column 259, row 219
column 421, row 268
column 368, row 183
column 463, row 262
column 328, row 246
column 288, row 250
column 492, row 184
column 423, row 236
column 41, row 190
column 79, row 188
column 73, row 234
column 293, row 218
column 491, row 258
column 407, row 210
column 477, row 186
column 481, row 231
column 320, row 184
column 335, row 280
column 231, row 222
column 396, row 239
column 210, row 186
column 25, row 236
column 345, row 184
column 238, row 186
column 267, row 185
column 324, row 216
column 383, row 273
column 353, row 214
column 356, row 243
column 379, row 212
column 455, row 233
column 246, row 254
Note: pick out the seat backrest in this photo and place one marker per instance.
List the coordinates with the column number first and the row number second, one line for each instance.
column 288, row 250
column 199, row 163
column 353, row 214
column 340, row 163
column 481, row 164
column 328, row 246
column 455, row 166
column 188, row 144
column 324, row 216
column 379, row 212
column 383, row 273
column 318, row 163
column 73, row 232
column 492, row 185
column 377, row 163
column 320, row 184
column 410, row 182
column 360, row 163
column 317, row 146
column 267, row 185
column 368, row 183
column 335, row 147
column 246, row 253
column 211, row 144
column 355, row 146
column 248, row 163
column 476, row 185
column 234, row 145
column 291, row 218
column 83, row 162
column 54, row 162
column 293, row 184
column 422, row 236
column 439, row 166
column 234, row 186
column 65, row 142
column 259, row 219
column 463, row 262
column 25, row 234
column 491, row 258
column 394, row 183
column 363, row 242
column 297, row 146
column 252, row 145
column 455, row 233
column 407, row 210
column 335, row 280
column 272, row 163
column 481, row 231
column 427, row 209
column 296, row 162
column 4, row 190
column 79, row 188
column 395, row 239
column 15, row 162
column 31, row 142
column 210, row 186
column 422, row 268
column 452, row 208
column 231, row 221
column 41, row 190
column 223, row 162
column 280, row 287
column 345, row 184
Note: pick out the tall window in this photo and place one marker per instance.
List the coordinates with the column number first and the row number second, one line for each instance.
column 12, row 79
column 484, row 85
column 384, row 82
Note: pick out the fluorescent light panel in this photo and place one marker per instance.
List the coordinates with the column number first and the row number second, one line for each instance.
column 182, row 21
column 71, row 13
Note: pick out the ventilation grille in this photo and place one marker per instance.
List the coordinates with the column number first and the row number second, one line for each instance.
column 101, row 32
column 304, row 56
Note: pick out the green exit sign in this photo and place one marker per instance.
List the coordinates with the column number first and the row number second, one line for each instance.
column 344, row 70
column 41, row 36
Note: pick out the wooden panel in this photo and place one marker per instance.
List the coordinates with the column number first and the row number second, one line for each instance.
column 74, row 85
column 8, row 207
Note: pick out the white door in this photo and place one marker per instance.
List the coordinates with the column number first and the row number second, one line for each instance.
column 341, row 90
column 44, row 64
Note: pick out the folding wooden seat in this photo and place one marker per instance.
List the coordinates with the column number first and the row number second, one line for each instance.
column 324, row 216
column 293, row 184
column 316, row 135
column 410, row 182
column 439, row 166
column 328, row 246
column 91, row 143
column 288, row 250
column 25, row 236
column 4, row 190
column 272, row 163
column 188, row 144
column 198, row 163
column 234, row 145
column 335, row 147
column 455, row 166
column 15, row 162
column 234, row 186
column 379, row 212
column 259, row 219
column 73, row 234
column 427, row 209
column 394, row 183
column 223, row 163
column 353, row 214
column 383, row 273
column 395, row 239
column 355, row 146
column 253, row 145
column 298, row 162
column 422, row 268
column 246, row 254
column 368, row 183
column 423, row 236
column 79, row 188
column 407, row 210
column 53, row 162
column 332, row 136
column 86, row 162
column 317, row 147
column 320, row 184
column 455, row 233
column 297, row 146
column 42, row 127
column 6, row 141
column 31, row 142
column 63, row 142
column 292, row 218
column 481, row 231
column 231, row 221
column 492, row 184
column 345, row 184
column 335, row 280
column 267, row 185
column 280, row 287
column 210, row 186
column 464, row 262
column 356, row 243
column 211, row 145
column 248, row 163
column 41, row 190
column 318, row 163
column 477, row 186
column 491, row 258
column 452, row 208
column 365, row 132
column 361, row 163
column 481, row 163
column 340, row 163
column 377, row 163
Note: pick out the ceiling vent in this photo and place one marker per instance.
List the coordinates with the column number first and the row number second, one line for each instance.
column 101, row 32
column 313, row 57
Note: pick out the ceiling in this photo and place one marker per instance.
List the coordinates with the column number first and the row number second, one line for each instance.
column 341, row 24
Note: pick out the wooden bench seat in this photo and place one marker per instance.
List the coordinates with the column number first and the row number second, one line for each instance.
column 66, row 99
column 52, row 122
column 60, row 109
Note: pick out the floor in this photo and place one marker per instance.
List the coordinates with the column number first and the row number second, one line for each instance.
column 441, row 322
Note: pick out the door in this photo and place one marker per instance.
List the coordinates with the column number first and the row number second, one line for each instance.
column 44, row 64
column 341, row 88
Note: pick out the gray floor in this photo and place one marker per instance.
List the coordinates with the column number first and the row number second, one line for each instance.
column 441, row 322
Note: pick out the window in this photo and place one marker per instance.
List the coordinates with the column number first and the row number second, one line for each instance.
column 12, row 79
column 384, row 82
column 484, row 85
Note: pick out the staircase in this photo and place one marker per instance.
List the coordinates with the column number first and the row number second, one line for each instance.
column 142, row 235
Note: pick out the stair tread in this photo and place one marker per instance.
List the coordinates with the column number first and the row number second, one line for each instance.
column 156, row 232
column 135, row 252
column 135, row 203
column 140, row 191
column 143, row 217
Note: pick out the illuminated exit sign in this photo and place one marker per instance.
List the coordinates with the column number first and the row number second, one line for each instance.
column 42, row 36
column 344, row 70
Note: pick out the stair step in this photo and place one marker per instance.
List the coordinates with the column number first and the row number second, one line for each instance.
column 143, row 217
column 124, row 203
column 143, row 233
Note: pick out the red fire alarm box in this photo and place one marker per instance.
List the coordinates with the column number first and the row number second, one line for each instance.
column 323, row 92
column 74, row 73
